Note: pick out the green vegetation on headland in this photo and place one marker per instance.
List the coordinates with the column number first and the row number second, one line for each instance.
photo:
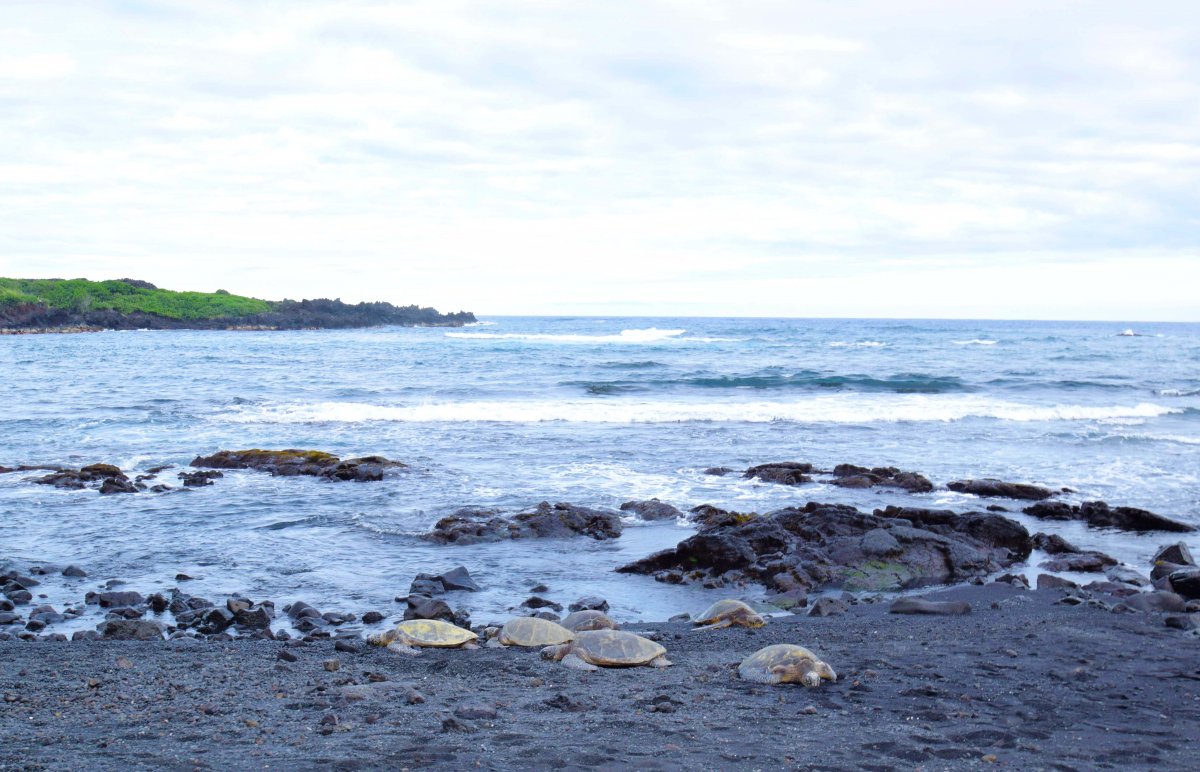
column 41, row 304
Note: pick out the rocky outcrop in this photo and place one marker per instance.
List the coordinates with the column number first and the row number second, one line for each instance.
column 294, row 462
column 103, row 477
column 851, row 476
column 653, row 509
column 825, row 546
column 1002, row 490
column 1101, row 515
column 471, row 526
column 782, row 472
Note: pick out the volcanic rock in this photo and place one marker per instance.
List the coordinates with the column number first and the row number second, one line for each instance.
column 999, row 489
column 471, row 526
column 834, row 546
column 1101, row 515
column 652, row 509
column 782, row 472
column 293, row 462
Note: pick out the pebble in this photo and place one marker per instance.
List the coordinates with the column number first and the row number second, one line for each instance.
column 287, row 656
column 347, row 645
column 332, row 665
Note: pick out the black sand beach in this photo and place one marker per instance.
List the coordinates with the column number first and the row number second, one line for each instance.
column 1021, row 682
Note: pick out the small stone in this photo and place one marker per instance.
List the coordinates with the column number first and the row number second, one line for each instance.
column 539, row 588
column 347, row 645
column 372, row 617
column 74, row 571
column 936, row 608
column 828, row 607
column 332, row 665
column 811, row 710
column 537, row 602
column 287, row 656
column 414, row 697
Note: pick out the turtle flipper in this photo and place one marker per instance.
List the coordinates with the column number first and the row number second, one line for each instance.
column 397, row 647
column 575, row 663
column 715, row 625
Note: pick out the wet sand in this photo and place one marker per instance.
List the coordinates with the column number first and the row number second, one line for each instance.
column 1020, row 682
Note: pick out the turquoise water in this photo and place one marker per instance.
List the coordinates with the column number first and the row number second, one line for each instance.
column 514, row 411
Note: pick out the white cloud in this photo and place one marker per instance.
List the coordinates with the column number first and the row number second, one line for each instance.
column 672, row 156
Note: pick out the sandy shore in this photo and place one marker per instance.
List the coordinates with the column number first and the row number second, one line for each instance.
column 1021, row 682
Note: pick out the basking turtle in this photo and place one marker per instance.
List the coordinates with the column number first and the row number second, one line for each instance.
column 405, row 637
column 726, row 613
column 589, row 619
column 784, row 663
column 607, row 648
column 531, row 631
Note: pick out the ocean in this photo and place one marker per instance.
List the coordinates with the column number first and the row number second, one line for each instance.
column 512, row 411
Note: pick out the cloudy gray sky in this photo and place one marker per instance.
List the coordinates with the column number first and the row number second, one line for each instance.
column 877, row 158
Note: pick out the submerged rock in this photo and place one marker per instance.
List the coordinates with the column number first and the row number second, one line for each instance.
column 837, row 546
column 1101, row 515
column 104, row 477
column 782, row 472
column 293, row 462
column 851, row 476
column 999, row 489
column 472, row 526
column 652, row 509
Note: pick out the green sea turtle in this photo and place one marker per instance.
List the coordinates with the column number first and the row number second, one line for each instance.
column 785, row 663
column 406, row 637
column 607, row 648
column 589, row 619
column 726, row 613
column 531, row 631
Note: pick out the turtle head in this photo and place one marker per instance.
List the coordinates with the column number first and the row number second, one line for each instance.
column 556, row 653
column 382, row 639
column 824, row 671
column 754, row 620
column 812, row 679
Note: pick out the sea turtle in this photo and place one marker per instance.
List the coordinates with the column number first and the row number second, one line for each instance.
column 531, row 631
column 785, row 663
column 405, row 637
column 607, row 648
column 726, row 613
column 589, row 619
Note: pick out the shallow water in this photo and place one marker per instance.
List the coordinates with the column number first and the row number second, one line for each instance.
column 591, row 411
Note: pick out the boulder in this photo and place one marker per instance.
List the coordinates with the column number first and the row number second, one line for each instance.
column 1177, row 553
column 201, row 478
column 828, row 607
column 1082, row 562
column 131, row 630
column 1053, row 544
column 652, row 509
column 589, row 603
column 458, row 579
column 295, row 462
column 428, row 608
column 104, row 477
column 718, row 471
column 468, row 526
column 992, row 488
column 74, row 571
column 1155, row 602
column 114, row 599
column 930, row 607
column 1051, row 582
column 1101, row 515
column 851, row 476
column 782, row 472
column 1186, row 582
column 824, row 546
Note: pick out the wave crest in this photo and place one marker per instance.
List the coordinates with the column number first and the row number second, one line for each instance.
column 647, row 335
column 840, row 409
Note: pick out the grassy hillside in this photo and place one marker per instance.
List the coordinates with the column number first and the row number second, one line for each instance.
column 81, row 295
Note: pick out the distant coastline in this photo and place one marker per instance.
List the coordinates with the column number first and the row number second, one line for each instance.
column 80, row 305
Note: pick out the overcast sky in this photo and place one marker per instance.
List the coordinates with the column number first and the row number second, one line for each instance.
column 932, row 159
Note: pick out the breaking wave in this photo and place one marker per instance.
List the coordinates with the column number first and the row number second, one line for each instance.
column 840, row 409
column 647, row 335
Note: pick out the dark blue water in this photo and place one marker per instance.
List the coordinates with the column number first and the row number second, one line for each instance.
column 590, row 411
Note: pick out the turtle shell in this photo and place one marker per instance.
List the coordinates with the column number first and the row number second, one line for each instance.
column 615, row 648
column 723, row 609
column 782, row 663
column 432, row 632
column 588, row 619
column 531, row 631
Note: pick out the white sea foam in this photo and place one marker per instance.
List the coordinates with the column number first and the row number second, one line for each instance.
column 648, row 335
column 837, row 409
column 480, row 324
column 1178, row 392
column 859, row 344
column 975, row 342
